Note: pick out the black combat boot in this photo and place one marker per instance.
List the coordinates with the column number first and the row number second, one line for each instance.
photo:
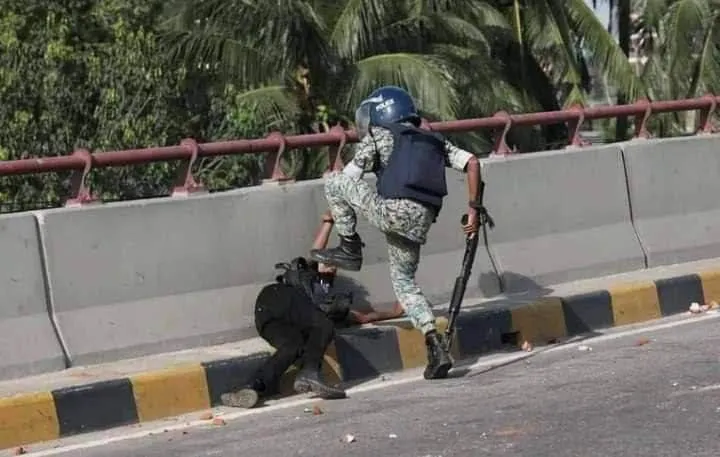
column 311, row 381
column 346, row 256
column 439, row 361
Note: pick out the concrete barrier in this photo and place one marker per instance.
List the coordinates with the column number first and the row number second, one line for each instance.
column 561, row 216
column 142, row 277
column 28, row 343
column 674, row 186
column 134, row 278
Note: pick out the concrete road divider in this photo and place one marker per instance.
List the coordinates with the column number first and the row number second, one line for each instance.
column 140, row 277
column 674, row 186
column 28, row 343
column 561, row 216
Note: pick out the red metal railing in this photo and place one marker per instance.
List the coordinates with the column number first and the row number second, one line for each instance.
column 82, row 161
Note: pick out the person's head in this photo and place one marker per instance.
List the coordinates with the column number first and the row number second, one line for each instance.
column 317, row 278
column 388, row 104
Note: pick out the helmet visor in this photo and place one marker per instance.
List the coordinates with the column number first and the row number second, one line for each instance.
column 362, row 119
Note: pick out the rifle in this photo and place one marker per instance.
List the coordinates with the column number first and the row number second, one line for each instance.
column 471, row 244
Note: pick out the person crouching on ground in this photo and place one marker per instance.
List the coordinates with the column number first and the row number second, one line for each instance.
column 297, row 315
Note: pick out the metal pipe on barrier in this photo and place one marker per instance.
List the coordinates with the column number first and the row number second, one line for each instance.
column 81, row 162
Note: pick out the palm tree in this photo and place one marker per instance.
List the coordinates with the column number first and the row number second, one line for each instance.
column 295, row 58
column 678, row 42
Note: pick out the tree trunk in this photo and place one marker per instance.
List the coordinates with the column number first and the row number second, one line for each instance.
column 623, row 6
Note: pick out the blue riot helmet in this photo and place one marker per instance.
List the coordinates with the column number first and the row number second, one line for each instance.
column 362, row 117
column 392, row 104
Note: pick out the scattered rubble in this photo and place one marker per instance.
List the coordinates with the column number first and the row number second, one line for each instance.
column 218, row 421
column 315, row 410
column 349, row 438
column 642, row 342
column 206, row 416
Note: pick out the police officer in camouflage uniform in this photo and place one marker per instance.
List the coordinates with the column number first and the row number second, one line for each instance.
column 388, row 126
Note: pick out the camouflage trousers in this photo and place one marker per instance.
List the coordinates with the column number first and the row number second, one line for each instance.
column 347, row 196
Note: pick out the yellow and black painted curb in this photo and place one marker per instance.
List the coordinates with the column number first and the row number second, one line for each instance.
column 358, row 353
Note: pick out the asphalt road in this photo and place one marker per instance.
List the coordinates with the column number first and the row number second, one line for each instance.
column 622, row 398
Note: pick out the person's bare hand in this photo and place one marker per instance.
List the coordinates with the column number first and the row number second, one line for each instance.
column 471, row 226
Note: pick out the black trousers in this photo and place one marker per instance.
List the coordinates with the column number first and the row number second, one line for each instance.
column 287, row 319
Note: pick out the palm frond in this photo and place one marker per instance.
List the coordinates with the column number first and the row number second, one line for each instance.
column 273, row 104
column 603, row 50
column 418, row 34
column 652, row 12
column 709, row 64
column 424, row 76
column 249, row 38
column 575, row 96
column 686, row 21
column 211, row 49
column 548, row 31
column 355, row 27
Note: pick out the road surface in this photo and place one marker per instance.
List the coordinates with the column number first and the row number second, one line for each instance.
column 652, row 393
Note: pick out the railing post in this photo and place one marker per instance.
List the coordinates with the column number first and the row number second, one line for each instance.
column 705, row 123
column 79, row 192
column 185, row 183
column 641, row 131
column 273, row 162
column 335, row 162
column 575, row 140
column 501, row 147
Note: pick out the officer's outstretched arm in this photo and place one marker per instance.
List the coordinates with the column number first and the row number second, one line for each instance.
column 472, row 169
column 464, row 161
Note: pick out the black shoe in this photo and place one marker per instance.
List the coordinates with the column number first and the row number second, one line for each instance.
column 243, row 398
column 439, row 361
column 311, row 381
column 346, row 256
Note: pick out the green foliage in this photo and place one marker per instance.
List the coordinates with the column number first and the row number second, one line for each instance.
column 90, row 74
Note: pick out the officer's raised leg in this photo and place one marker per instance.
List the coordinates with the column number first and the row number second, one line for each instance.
column 346, row 196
